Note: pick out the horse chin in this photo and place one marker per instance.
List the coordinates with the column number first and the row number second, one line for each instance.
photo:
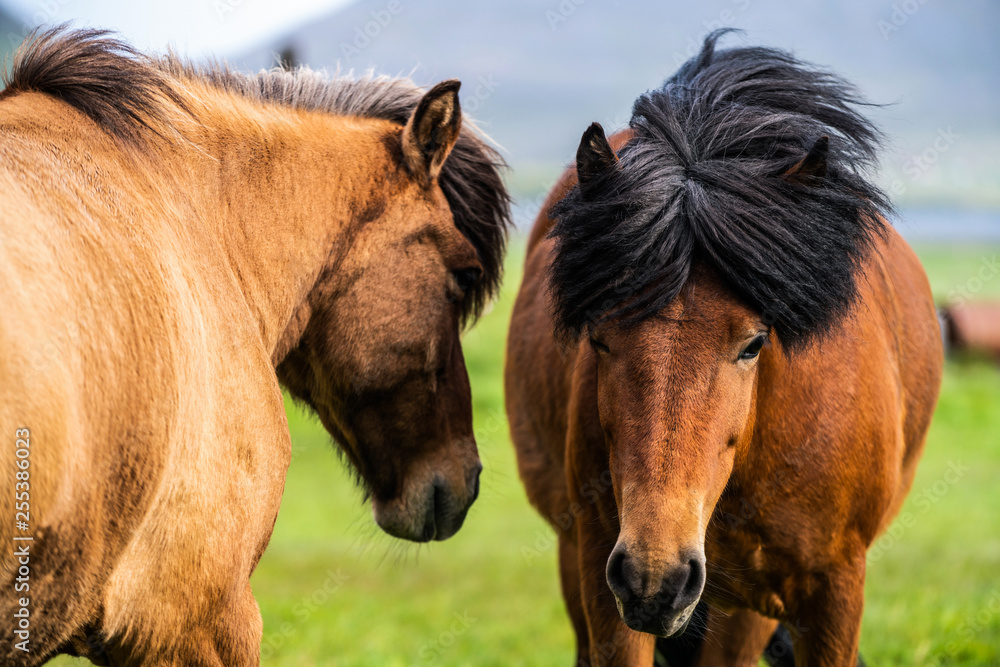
column 430, row 512
column 681, row 623
column 669, row 626
column 397, row 519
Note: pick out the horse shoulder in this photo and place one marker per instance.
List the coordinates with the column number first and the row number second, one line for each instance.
column 853, row 405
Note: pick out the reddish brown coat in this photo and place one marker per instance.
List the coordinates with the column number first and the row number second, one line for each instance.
column 822, row 448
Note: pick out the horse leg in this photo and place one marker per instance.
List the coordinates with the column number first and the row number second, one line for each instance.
column 180, row 594
column 831, row 620
column 234, row 634
column 736, row 638
column 227, row 634
column 780, row 650
column 729, row 639
column 612, row 643
column 569, row 578
column 683, row 650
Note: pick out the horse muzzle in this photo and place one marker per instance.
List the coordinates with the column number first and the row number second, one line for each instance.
column 657, row 600
column 435, row 510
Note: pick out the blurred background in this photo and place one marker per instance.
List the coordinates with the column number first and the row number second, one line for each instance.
column 332, row 589
column 537, row 72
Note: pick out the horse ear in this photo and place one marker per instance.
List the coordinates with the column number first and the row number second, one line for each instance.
column 594, row 158
column 432, row 130
column 812, row 167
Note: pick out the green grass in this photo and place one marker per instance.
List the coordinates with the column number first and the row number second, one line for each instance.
column 333, row 590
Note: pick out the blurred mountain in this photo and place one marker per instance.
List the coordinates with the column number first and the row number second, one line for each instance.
column 537, row 73
column 11, row 34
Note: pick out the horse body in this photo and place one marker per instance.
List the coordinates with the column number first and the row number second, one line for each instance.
column 155, row 291
column 84, row 370
column 839, row 429
column 855, row 406
column 817, row 443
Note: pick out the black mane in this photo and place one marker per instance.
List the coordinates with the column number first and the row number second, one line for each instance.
column 701, row 181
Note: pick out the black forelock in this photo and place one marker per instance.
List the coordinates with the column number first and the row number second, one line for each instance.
column 701, row 181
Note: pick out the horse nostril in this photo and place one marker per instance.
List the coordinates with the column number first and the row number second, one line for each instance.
column 683, row 586
column 475, row 482
column 695, row 581
column 616, row 580
column 622, row 577
column 434, row 507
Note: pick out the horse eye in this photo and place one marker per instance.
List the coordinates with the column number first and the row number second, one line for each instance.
column 466, row 278
column 753, row 349
column 599, row 346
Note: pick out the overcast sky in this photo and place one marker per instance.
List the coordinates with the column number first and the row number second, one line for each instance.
column 194, row 27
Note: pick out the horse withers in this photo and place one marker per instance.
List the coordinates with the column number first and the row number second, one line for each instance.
column 722, row 365
column 175, row 244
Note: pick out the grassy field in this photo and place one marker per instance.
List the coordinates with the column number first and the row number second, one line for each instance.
column 335, row 591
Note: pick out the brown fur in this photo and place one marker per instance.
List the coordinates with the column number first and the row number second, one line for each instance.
column 165, row 260
column 779, row 472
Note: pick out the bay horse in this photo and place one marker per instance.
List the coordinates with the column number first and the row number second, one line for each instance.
column 721, row 366
column 177, row 243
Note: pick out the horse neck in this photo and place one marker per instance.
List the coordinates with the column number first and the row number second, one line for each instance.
column 281, row 196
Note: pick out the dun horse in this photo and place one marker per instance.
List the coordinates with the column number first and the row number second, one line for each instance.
column 722, row 365
column 177, row 242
